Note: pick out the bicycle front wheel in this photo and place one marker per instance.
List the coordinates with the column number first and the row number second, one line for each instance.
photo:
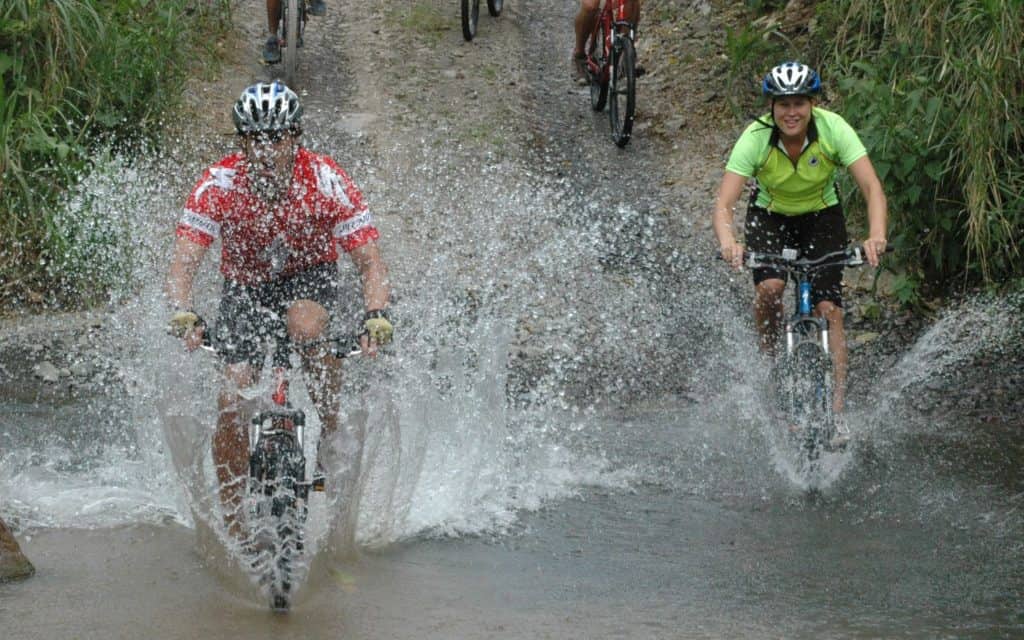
column 808, row 391
column 292, row 20
column 622, row 90
column 289, row 510
column 494, row 7
column 470, row 16
column 599, row 79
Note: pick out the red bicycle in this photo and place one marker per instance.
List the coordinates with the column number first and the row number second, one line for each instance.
column 611, row 68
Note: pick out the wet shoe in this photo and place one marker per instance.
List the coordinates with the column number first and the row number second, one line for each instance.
column 579, row 70
column 841, row 437
column 317, row 7
column 272, row 50
column 319, row 478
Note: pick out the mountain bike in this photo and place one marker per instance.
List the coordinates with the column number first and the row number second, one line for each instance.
column 471, row 14
column 293, row 24
column 278, row 488
column 802, row 376
column 611, row 69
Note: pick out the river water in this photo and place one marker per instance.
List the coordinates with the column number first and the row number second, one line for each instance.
column 566, row 440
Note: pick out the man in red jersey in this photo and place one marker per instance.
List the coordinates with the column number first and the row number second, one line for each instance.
column 280, row 212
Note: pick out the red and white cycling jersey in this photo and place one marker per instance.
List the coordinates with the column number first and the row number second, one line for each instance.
column 322, row 210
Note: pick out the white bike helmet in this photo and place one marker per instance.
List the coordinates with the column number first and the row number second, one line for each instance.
column 791, row 79
column 267, row 108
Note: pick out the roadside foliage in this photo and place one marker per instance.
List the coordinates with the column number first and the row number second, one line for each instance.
column 936, row 89
column 78, row 76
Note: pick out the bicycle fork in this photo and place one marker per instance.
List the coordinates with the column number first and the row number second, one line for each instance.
column 795, row 326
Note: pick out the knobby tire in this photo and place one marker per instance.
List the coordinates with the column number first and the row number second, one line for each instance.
column 599, row 81
column 291, row 42
column 622, row 92
column 279, row 472
column 809, row 398
column 470, row 17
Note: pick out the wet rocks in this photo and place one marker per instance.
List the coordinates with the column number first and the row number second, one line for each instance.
column 46, row 356
column 13, row 563
column 46, row 371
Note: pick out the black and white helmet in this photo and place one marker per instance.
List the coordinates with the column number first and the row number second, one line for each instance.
column 267, row 107
column 791, row 79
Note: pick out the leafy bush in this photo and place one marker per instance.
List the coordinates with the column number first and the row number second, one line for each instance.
column 76, row 75
column 936, row 89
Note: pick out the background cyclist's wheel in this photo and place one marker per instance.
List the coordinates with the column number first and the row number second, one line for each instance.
column 598, row 92
column 291, row 41
column 470, row 16
column 598, row 81
column 622, row 103
column 494, row 7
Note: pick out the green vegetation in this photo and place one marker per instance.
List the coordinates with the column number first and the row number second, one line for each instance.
column 936, row 89
column 420, row 18
column 77, row 76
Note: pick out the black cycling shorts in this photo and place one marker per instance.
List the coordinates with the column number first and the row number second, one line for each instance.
column 252, row 316
column 811, row 234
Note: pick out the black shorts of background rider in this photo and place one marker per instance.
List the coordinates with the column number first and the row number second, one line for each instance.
column 812, row 234
column 252, row 316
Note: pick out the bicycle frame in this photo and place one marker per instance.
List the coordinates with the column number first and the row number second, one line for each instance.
column 613, row 13
column 802, row 323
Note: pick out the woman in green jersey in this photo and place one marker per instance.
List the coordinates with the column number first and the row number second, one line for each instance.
column 792, row 155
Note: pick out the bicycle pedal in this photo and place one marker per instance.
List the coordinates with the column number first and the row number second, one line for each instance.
column 318, row 483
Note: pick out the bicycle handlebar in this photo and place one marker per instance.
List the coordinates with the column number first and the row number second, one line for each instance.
column 852, row 256
column 343, row 346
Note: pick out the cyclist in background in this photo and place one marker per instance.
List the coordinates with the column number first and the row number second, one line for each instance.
column 586, row 19
column 792, row 153
column 281, row 212
column 272, row 48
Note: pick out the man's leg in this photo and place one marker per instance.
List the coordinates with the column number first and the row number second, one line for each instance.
column 308, row 321
column 768, row 311
column 633, row 12
column 272, row 48
column 584, row 23
column 231, row 446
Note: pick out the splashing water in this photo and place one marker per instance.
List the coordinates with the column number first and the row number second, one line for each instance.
column 444, row 453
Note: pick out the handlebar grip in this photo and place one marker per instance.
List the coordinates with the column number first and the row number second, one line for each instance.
column 345, row 346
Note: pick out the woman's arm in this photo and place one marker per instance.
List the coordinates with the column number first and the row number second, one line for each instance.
column 864, row 175
column 722, row 219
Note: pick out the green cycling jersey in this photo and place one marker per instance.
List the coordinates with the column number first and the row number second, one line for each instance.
column 804, row 186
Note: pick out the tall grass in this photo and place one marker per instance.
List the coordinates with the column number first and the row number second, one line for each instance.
column 76, row 75
column 936, row 87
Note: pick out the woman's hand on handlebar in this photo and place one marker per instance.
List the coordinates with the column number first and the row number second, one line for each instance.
column 733, row 254
column 874, row 247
